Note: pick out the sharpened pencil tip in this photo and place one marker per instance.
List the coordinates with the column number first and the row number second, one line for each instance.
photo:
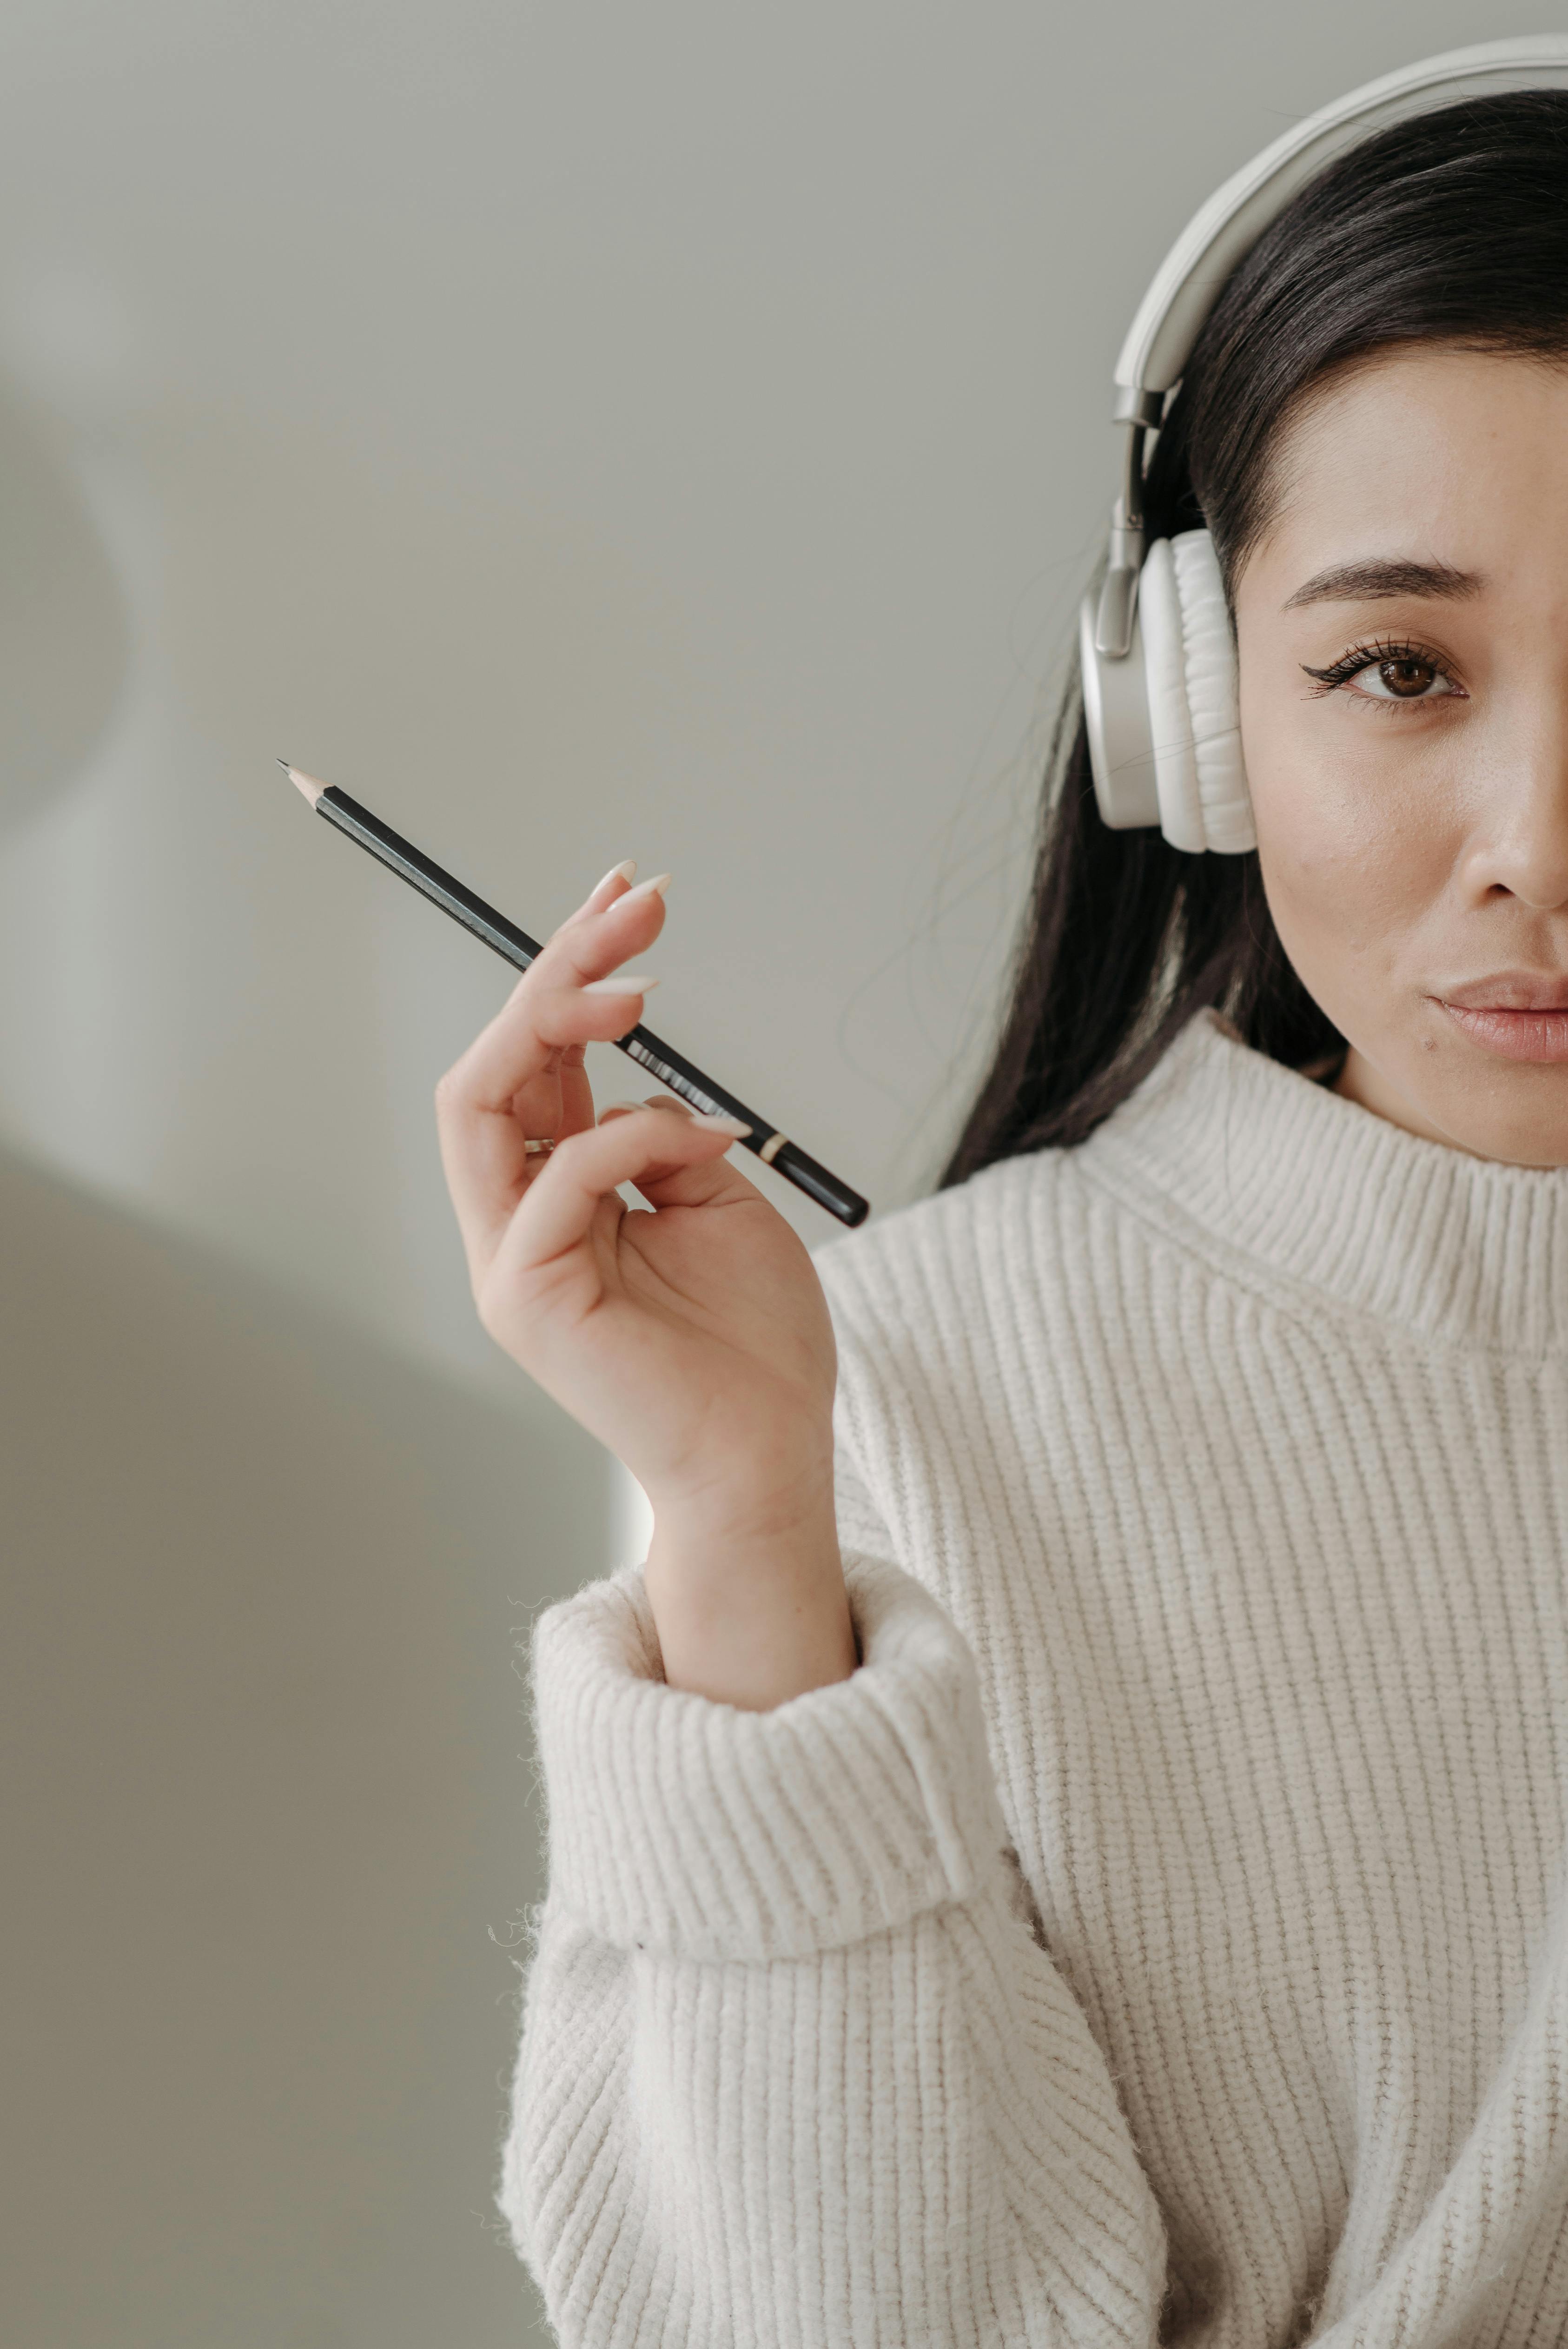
column 306, row 786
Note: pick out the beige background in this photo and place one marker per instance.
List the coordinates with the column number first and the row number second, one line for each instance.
column 582, row 431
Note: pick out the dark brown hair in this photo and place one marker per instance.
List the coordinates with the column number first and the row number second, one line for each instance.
column 1452, row 228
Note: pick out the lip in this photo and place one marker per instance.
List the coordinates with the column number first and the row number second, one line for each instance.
column 1520, row 1015
column 1510, row 990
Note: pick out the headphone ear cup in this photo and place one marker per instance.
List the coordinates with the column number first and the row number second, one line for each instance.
column 1209, row 674
column 1164, row 733
column 1116, row 720
column 1171, row 725
column 1191, row 660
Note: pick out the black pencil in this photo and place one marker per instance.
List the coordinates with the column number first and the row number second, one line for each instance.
column 514, row 946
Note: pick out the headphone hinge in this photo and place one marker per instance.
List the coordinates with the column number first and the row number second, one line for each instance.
column 1118, row 595
column 1130, row 406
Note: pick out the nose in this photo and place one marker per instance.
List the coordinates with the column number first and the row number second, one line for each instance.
column 1520, row 843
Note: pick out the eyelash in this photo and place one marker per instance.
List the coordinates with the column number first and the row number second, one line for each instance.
column 1369, row 655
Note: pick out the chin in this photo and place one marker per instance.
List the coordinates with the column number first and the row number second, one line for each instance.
column 1493, row 1091
column 1520, row 1119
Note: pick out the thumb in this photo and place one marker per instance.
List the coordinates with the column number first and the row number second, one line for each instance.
column 677, row 1180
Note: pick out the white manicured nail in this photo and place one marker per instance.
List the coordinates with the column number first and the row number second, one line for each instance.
column 732, row 1125
column 654, row 888
column 620, row 987
column 626, row 872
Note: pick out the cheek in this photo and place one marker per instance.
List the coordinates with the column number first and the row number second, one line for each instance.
column 1348, row 866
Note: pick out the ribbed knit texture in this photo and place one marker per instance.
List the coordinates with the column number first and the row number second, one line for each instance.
column 1163, row 1936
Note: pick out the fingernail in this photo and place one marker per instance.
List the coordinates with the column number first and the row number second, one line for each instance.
column 654, row 888
column 626, row 872
column 732, row 1125
column 620, row 986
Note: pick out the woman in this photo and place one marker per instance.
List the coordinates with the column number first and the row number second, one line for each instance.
column 1084, row 1866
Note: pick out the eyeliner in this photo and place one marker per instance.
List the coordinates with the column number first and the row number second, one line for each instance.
column 515, row 946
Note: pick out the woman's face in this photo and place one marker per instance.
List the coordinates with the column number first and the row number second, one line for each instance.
column 1403, row 634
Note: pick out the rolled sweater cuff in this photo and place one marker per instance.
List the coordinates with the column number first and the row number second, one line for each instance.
column 693, row 1829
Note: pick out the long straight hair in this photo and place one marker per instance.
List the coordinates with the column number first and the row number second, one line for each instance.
column 1451, row 229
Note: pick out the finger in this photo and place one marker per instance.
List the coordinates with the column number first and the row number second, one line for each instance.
column 537, row 1020
column 594, row 940
column 646, row 1147
column 576, row 1092
column 615, row 884
column 684, row 1185
column 508, row 1088
column 523, row 1075
column 558, row 1100
column 513, row 1048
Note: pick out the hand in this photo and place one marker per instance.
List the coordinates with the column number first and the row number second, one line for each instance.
column 693, row 1341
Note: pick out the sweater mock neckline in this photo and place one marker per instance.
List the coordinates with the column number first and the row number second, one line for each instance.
column 1467, row 1251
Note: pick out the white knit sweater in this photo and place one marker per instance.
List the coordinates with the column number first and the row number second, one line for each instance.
column 1159, row 1936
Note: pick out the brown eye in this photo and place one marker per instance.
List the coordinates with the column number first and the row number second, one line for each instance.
column 1403, row 677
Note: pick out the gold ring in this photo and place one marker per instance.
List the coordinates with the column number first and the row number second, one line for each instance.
column 538, row 1149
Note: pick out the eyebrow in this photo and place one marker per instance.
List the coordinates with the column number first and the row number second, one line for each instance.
column 1345, row 583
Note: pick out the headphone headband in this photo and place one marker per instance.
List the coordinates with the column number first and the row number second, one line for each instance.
column 1188, row 280
column 1191, row 274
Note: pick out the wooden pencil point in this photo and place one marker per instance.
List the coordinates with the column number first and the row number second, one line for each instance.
column 306, row 786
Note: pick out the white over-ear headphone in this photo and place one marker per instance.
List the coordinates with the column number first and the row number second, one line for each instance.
column 1156, row 648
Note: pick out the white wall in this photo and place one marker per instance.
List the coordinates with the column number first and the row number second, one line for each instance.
column 581, row 431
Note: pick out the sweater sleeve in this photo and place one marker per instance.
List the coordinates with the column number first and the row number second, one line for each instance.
column 794, row 2069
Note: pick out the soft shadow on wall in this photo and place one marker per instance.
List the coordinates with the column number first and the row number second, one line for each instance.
column 269, row 1831
column 65, row 631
